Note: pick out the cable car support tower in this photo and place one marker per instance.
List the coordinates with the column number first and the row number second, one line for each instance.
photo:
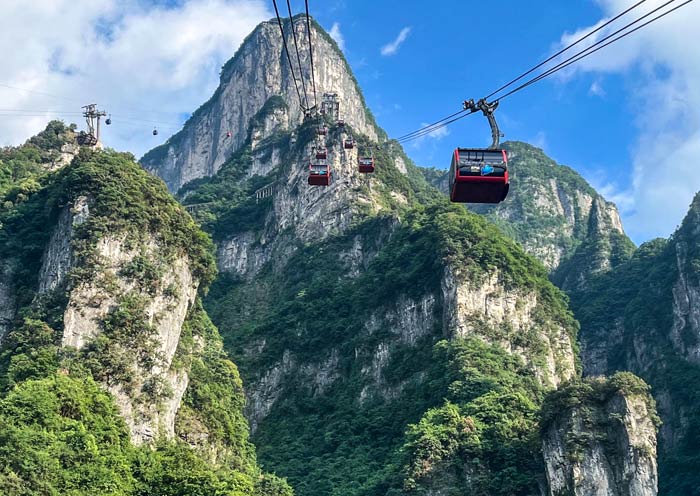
column 92, row 117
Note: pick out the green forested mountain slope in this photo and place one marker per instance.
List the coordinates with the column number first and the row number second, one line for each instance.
column 642, row 316
column 389, row 342
column 74, row 414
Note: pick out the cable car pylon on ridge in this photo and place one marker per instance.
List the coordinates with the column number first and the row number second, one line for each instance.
column 480, row 175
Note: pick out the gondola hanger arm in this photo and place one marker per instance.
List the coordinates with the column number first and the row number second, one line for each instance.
column 487, row 109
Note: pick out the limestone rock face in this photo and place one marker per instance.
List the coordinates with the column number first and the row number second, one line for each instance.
column 91, row 303
column 653, row 329
column 58, row 259
column 7, row 298
column 685, row 330
column 257, row 72
column 489, row 310
column 165, row 311
column 603, row 449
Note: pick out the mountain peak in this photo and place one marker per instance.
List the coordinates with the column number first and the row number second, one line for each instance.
column 258, row 72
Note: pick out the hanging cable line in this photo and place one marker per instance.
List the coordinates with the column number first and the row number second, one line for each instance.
column 286, row 51
column 66, row 112
column 600, row 44
column 574, row 58
column 429, row 126
column 24, row 113
column 435, row 126
column 565, row 49
column 311, row 51
column 38, row 93
column 296, row 48
column 425, row 132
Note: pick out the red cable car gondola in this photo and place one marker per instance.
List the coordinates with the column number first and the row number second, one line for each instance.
column 366, row 164
column 349, row 144
column 480, row 175
column 322, row 130
column 319, row 173
column 321, row 153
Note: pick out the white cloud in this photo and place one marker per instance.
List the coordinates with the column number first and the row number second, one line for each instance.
column 540, row 140
column 337, row 35
column 661, row 66
column 436, row 135
column 597, row 89
column 139, row 61
column 393, row 47
column 439, row 133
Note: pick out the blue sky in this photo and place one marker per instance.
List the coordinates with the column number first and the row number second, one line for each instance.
column 622, row 118
column 457, row 53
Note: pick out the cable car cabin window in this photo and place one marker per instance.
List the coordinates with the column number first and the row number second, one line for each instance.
column 479, row 176
column 319, row 170
column 481, row 169
column 366, row 164
column 319, row 175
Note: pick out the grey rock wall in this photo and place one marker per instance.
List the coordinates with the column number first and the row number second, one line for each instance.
column 604, row 449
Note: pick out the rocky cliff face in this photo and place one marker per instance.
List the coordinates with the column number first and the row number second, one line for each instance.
column 7, row 299
column 98, row 303
column 105, row 332
column 600, row 439
column 654, row 332
column 685, row 330
column 257, row 73
column 500, row 315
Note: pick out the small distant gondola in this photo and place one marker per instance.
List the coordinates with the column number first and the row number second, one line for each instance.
column 366, row 164
column 319, row 173
column 349, row 144
column 321, row 153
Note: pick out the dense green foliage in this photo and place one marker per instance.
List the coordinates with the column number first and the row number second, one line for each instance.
column 483, row 439
column 21, row 166
column 310, row 309
column 61, row 433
